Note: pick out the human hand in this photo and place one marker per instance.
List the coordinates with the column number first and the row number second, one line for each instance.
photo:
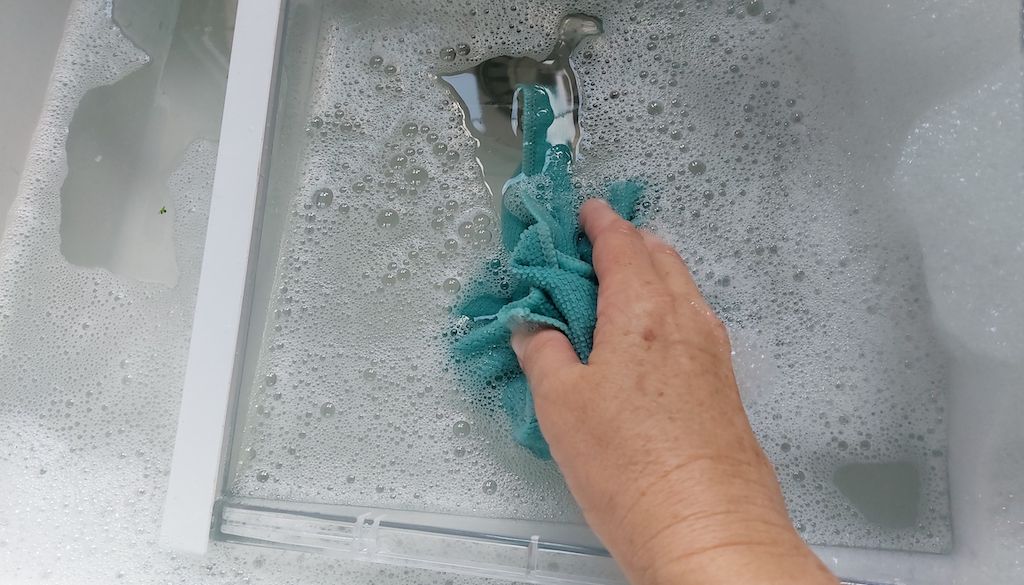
column 651, row 435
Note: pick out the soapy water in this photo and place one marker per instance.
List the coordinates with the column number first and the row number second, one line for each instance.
column 92, row 384
column 92, row 360
column 817, row 276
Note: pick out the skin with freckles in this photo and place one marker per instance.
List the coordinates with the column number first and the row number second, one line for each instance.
column 651, row 435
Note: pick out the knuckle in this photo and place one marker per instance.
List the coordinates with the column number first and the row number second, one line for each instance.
column 661, row 297
column 620, row 230
column 649, row 316
column 656, row 301
column 660, row 246
column 719, row 331
column 671, row 252
column 648, row 301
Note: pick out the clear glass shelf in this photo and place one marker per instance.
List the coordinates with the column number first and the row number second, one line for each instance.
column 805, row 222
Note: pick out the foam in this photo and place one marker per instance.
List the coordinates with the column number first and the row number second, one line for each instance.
column 811, row 265
column 91, row 367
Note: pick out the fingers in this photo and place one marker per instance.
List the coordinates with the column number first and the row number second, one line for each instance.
column 628, row 258
column 671, row 268
column 542, row 353
column 621, row 259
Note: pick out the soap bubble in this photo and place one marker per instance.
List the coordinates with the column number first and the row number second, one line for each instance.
column 387, row 218
column 417, row 176
column 323, row 197
column 482, row 236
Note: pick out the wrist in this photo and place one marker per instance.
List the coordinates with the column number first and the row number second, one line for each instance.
column 762, row 554
column 715, row 522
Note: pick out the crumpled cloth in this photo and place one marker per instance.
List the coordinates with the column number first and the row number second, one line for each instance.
column 547, row 278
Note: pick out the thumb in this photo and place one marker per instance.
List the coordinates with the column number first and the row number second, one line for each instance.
column 542, row 354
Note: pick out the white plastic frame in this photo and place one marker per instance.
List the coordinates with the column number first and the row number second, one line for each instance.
column 196, row 465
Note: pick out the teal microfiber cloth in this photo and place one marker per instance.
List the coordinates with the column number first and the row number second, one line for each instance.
column 546, row 279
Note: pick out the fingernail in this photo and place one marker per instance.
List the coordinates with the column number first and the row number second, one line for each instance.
column 519, row 340
column 521, row 336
